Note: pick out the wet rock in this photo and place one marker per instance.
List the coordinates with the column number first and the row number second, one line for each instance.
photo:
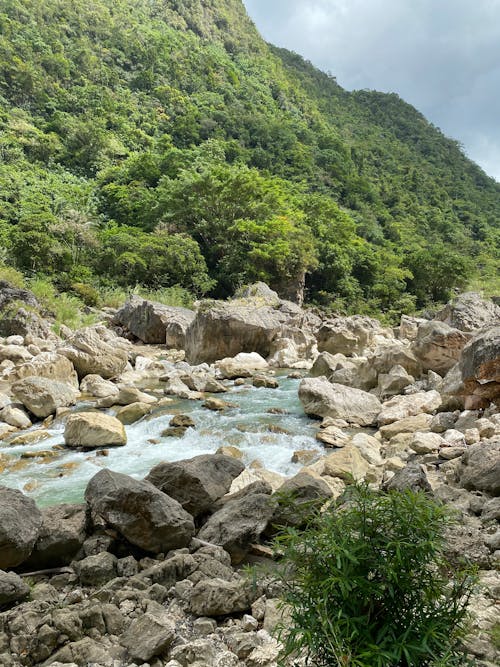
column 217, row 404
column 60, row 537
column 130, row 414
column 42, row 397
column 94, row 429
column 265, row 381
column 12, row 588
column 198, row 482
column 322, row 399
column 144, row 515
column 480, row 468
column 20, row 522
column 182, row 420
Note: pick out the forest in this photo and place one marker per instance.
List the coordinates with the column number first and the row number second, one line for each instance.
column 163, row 145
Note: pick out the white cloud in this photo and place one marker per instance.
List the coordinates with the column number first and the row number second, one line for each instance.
column 442, row 56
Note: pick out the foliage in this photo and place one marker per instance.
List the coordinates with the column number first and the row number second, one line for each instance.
column 368, row 584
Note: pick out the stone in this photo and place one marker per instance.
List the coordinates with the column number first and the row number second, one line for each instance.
column 443, row 421
column 217, row 597
column 306, row 456
column 198, row 482
column 96, row 386
column 217, row 404
column 174, row 386
column 129, row 414
column 425, row 443
column 394, row 382
column 395, row 353
column 60, row 536
column 480, row 469
column 439, row 346
column 50, row 365
column 297, row 497
column 96, row 570
column 480, row 366
column 155, row 323
column 243, row 365
column 265, row 381
column 148, row 636
column 469, row 312
column 126, row 396
column 15, row 417
column 230, row 450
column 182, row 420
column 400, row 407
column 348, row 335
column 94, row 429
column 91, row 354
column 239, row 523
column 332, row 436
column 82, row 653
column 145, row 516
column 20, row 522
column 369, row 448
column 412, row 477
column 12, row 588
column 346, row 464
column 320, row 398
column 42, row 397
column 419, row 422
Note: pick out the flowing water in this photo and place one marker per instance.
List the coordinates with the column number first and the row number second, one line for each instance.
column 64, row 477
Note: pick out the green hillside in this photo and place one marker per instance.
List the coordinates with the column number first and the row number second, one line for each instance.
column 163, row 142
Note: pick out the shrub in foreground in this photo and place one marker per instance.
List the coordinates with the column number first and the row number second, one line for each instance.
column 368, row 584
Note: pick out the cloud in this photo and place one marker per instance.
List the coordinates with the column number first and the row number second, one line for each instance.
column 442, row 56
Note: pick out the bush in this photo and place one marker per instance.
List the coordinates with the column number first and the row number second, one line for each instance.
column 368, row 585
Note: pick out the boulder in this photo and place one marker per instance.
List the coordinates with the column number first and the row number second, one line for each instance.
column 198, row 482
column 20, row 522
column 369, row 448
column 217, row 597
column 42, row 397
column 25, row 322
column 145, row 516
column 321, row 398
column 96, row 570
column 91, row 353
column 394, row 382
column 239, row 523
column 357, row 372
column 400, row 407
column 346, row 463
column 480, row 468
column 265, row 381
column 480, row 366
column 412, row 477
column 469, row 312
column 94, row 429
column 130, row 414
column 438, row 346
column 349, row 335
column 395, row 353
column 297, row 497
column 15, row 417
column 14, row 353
column 242, row 365
column 50, row 365
column 12, row 588
column 155, row 323
column 96, row 386
column 60, row 537
column 148, row 636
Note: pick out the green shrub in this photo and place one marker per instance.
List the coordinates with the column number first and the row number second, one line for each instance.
column 88, row 294
column 368, row 585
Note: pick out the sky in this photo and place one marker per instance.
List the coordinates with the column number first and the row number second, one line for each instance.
column 442, row 56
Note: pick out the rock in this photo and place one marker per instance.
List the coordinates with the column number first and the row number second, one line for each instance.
column 438, row 346
column 480, row 366
column 230, row 450
column 82, row 653
column 408, row 327
column 198, row 482
column 182, row 420
column 469, row 312
column 175, row 387
column 20, row 522
column 12, row 588
column 346, row 463
column 14, row 353
column 97, row 387
column 217, row 404
column 425, row 443
column 412, row 477
column 96, row 570
column 241, row 366
column 239, row 523
column 216, row 597
column 357, row 372
column 155, row 323
column 92, row 355
column 127, row 396
column 392, row 383
column 94, row 429
column 50, row 365
column 400, row 407
column 306, row 456
column 15, row 417
column 443, row 421
column 480, row 469
column 260, row 292
column 42, row 397
column 60, row 537
column 331, row 436
column 369, row 448
column 348, row 335
column 395, row 353
column 130, row 414
column 320, row 398
column 148, row 636
column 144, row 515
column 265, row 381
column 297, row 497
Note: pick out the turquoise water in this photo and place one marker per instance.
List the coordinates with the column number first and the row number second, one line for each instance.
column 64, row 478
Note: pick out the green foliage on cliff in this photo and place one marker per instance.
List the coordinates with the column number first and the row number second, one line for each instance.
column 164, row 143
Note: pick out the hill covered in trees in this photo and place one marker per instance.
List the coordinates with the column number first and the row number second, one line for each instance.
column 163, row 142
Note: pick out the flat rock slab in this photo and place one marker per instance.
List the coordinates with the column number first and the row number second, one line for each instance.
column 93, row 429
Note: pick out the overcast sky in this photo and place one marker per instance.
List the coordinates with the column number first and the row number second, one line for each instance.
column 442, row 56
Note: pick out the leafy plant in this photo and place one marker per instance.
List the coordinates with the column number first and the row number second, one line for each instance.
column 368, row 584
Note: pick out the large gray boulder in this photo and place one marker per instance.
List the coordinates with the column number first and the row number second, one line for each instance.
column 469, row 312
column 155, row 323
column 148, row 636
column 239, row 523
column 12, row 588
column 480, row 367
column 60, row 537
column 321, row 398
column 198, row 482
column 94, row 351
column 20, row 522
column 140, row 512
column 438, row 346
column 42, row 397
column 480, row 468
column 349, row 335
column 217, row 597
column 94, row 429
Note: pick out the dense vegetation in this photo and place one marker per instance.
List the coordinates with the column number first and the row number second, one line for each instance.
column 162, row 142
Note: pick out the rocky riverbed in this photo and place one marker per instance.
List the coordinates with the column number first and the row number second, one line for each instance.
column 170, row 434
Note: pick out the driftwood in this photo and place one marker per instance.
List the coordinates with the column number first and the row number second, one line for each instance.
column 53, row 570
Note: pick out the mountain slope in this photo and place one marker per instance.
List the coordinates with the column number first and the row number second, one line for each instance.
column 164, row 142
